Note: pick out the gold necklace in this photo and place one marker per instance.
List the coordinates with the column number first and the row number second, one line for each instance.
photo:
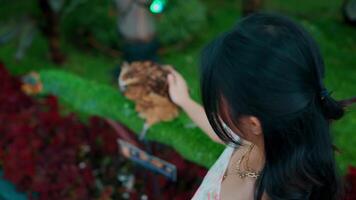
column 248, row 172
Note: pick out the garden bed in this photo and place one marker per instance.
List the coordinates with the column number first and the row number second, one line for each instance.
column 50, row 156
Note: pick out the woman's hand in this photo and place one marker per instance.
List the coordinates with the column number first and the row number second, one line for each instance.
column 178, row 90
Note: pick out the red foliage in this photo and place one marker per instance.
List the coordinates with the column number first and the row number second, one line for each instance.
column 40, row 148
column 55, row 156
column 351, row 183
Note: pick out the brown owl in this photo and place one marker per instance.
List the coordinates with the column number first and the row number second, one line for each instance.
column 146, row 84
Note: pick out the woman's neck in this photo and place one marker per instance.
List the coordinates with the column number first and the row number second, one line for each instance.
column 256, row 158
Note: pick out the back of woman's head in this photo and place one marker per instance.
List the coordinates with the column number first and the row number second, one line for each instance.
column 271, row 68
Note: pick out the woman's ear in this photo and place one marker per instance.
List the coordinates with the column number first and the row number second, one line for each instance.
column 255, row 125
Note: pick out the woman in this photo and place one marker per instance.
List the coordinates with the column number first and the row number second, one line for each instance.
column 264, row 97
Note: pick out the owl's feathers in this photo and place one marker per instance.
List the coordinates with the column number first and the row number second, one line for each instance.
column 146, row 84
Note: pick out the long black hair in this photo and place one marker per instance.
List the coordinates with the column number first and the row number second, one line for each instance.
column 268, row 66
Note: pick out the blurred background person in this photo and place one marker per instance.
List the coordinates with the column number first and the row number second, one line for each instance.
column 136, row 25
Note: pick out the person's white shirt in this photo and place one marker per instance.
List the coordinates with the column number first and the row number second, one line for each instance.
column 210, row 187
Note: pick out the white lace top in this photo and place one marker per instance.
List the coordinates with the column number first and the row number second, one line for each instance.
column 210, row 187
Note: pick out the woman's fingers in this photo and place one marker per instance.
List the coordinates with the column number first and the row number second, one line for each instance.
column 169, row 67
column 173, row 71
column 175, row 78
column 171, row 79
column 175, row 75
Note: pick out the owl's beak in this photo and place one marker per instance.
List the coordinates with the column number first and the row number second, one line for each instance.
column 122, row 85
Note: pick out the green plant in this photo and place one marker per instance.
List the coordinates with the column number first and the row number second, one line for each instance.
column 181, row 21
column 97, row 99
column 94, row 18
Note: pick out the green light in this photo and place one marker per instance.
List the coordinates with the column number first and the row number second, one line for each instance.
column 157, row 6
